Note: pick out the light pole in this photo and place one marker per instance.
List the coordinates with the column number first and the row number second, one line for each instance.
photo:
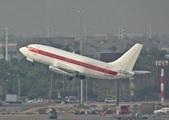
column 18, row 85
column 1, row 88
column 162, row 63
column 86, row 89
column 50, row 91
column 63, row 82
column 6, row 43
column 80, row 11
column 81, row 81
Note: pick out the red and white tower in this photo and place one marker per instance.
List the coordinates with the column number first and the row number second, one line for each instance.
column 162, row 63
column 162, row 84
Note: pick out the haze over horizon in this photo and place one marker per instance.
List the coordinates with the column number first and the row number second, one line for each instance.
column 31, row 17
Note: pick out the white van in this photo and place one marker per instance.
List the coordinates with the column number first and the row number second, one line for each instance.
column 109, row 100
column 161, row 111
column 36, row 100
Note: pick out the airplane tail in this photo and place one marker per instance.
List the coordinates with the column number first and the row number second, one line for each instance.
column 127, row 61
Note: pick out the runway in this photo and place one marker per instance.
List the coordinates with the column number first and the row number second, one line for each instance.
column 70, row 117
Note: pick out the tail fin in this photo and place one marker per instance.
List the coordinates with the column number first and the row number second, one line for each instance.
column 127, row 60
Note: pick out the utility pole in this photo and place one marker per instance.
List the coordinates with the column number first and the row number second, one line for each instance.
column 117, row 96
column 81, row 41
column 19, row 86
column 117, row 92
column 50, row 91
column 81, row 51
column 121, row 33
column 48, row 30
column 1, row 89
column 86, row 89
column 63, row 82
column 150, row 31
column 85, row 33
column 6, row 43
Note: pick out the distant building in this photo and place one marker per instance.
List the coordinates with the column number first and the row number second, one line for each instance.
column 12, row 53
column 94, row 48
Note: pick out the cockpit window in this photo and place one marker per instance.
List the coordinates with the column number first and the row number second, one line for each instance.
column 27, row 46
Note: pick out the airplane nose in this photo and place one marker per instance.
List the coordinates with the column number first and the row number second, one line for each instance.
column 23, row 50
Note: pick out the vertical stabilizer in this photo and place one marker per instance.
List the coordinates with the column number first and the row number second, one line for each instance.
column 127, row 60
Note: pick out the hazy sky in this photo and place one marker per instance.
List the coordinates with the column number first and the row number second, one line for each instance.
column 29, row 17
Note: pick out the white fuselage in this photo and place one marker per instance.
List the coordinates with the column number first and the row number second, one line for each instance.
column 84, row 65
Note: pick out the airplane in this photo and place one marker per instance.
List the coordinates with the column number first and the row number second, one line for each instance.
column 75, row 65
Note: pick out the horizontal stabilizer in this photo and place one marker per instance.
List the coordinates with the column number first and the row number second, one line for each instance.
column 140, row 71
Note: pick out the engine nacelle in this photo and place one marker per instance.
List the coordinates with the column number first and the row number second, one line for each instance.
column 54, row 69
column 29, row 59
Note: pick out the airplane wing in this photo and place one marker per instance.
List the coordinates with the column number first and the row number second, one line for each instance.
column 63, row 69
column 140, row 71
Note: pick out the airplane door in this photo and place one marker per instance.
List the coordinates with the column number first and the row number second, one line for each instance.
column 28, row 52
column 36, row 51
column 106, row 70
column 35, row 54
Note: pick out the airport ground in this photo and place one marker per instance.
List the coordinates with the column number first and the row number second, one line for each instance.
column 14, row 113
column 70, row 117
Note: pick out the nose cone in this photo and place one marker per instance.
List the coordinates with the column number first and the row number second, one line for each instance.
column 24, row 50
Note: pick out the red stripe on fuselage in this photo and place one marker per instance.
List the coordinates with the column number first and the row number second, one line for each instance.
column 69, row 60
